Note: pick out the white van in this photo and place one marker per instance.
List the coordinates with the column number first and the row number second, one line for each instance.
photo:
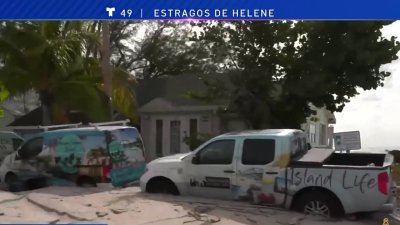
column 9, row 142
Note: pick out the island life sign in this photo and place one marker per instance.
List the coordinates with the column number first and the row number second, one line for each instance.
column 345, row 141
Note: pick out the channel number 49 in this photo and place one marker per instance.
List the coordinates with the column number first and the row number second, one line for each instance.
column 126, row 13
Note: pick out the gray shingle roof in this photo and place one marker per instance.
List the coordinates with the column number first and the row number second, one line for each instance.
column 175, row 89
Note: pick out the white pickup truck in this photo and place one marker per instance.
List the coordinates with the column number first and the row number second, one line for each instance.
column 276, row 167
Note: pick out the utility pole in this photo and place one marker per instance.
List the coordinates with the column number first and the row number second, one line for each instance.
column 106, row 66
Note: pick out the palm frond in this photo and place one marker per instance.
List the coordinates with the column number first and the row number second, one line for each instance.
column 83, row 96
column 124, row 96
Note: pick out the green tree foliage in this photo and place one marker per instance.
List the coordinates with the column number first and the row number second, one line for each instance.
column 163, row 48
column 286, row 65
column 59, row 60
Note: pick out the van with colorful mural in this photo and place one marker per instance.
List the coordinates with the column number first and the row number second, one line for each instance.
column 276, row 167
column 76, row 156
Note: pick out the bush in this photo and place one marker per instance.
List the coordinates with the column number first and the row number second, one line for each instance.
column 196, row 141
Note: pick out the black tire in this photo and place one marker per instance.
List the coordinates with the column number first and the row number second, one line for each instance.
column 86, row 181
column 162, row 185
column 324, row 204
column 36, row 183
column 12, row 182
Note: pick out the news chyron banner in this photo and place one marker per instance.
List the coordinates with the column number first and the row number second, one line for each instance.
column 199, row 9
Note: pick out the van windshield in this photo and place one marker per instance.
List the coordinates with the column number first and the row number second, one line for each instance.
column 131, row 143
column 127, row 156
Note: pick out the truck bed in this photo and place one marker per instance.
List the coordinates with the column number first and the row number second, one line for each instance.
column 356, row 159
column 319, row 157
column 314, row 157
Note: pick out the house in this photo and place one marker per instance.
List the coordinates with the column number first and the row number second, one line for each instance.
column 319, row 128
column 168, row 116
column 23, row 114
column 6, row 117
column 15, row 107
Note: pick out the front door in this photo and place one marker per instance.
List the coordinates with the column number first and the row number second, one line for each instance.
column 175, row 139
column 213, row 171
column 257, row 174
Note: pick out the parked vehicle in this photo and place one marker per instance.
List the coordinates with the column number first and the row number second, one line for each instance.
column 82, row 156
column 276, row 167
column 9, row 142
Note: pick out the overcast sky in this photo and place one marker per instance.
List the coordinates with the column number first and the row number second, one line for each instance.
column 376, row 113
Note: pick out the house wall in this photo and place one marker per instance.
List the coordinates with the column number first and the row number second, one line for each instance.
column 210, row 123
column 323, row 133
column 207, row 123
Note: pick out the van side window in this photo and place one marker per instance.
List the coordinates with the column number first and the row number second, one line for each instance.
column 17, row 142
column 258, row 151
column 31, row 148
column 218, row 152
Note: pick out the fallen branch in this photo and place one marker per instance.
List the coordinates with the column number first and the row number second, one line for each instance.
column 199, row 217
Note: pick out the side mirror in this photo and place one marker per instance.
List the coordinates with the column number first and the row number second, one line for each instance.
column 195, row 159
column 17, row 157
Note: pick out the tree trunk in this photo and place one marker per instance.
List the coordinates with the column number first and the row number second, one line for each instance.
column 106, row 67
column 45, row 99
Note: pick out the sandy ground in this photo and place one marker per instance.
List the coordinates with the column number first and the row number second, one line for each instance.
column 131, row 207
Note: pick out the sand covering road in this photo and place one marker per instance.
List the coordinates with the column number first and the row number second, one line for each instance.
column 129, row 206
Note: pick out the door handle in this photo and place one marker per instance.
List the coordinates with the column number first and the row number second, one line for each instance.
column 271, row 172
column 229, row 171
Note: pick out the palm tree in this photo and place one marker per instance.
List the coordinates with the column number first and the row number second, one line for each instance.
column 54, row 58
column 105, row 63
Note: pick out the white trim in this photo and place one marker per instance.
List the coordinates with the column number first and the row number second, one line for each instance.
column 122, row 122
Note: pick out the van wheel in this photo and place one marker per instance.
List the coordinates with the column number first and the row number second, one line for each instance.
column 162, row 185
column 12, row 183
column 86, row 181
column 318, row 203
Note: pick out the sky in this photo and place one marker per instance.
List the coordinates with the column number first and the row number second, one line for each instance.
column 376, row 113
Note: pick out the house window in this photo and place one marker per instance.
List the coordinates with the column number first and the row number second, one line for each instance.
column 322, row 135
column 312, row 134
column 17, row 143
column 175, row 138
column 193, row 132
column 159, row 137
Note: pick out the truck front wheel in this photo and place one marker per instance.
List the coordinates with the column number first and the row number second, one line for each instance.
column 319, row 203
column 162, row 185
